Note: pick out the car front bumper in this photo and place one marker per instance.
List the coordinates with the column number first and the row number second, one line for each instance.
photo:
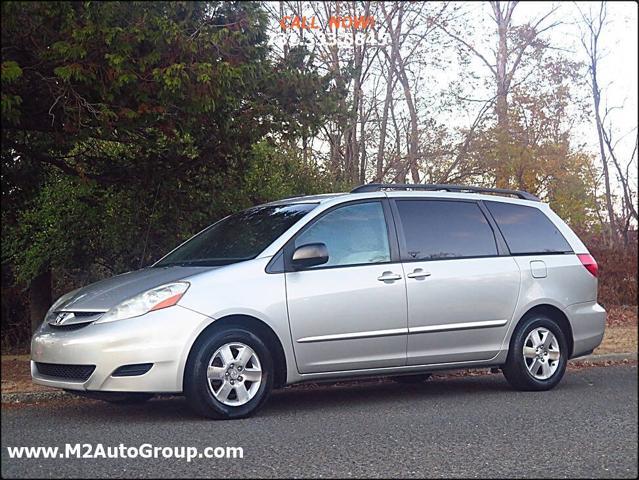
column 162, row 338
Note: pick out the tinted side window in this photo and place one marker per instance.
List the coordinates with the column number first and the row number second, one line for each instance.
column 354, row 235
column 527, row 229
column 437, row 230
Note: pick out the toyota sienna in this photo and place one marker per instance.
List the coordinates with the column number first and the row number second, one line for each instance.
column 393, row 280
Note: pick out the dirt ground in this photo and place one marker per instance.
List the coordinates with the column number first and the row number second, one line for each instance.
column 16, row 375
column 621, row 331
column 620, row 337
column 619, row 340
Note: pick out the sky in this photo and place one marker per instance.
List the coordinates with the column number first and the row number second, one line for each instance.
column 618, row 67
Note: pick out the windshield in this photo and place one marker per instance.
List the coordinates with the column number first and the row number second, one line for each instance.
column 238, row 237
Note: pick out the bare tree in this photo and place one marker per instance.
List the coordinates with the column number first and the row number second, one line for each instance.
column 400, row 71
column 513, row 43
column 628, row 207
column 593, row 26
column 400, row 114
column 391, row 81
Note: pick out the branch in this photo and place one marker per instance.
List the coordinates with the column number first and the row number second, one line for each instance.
column 469, row 47
column 627, row 192
column 469, row 136
column 535, row 34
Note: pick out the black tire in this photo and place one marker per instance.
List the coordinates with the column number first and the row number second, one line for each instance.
column 411, row 379
column 196, row 387
column 516, row 371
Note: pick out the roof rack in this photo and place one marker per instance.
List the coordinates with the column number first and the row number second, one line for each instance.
column 376, row 187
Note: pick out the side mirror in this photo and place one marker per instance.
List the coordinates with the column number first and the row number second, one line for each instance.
column 309, row 255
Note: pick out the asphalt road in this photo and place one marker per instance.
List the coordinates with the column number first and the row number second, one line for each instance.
column 448, row 427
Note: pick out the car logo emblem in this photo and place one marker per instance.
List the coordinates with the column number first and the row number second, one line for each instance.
column 63, row 317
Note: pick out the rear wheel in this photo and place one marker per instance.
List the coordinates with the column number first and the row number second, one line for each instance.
column 229, row 375
column 411, row 379
column 537, row 356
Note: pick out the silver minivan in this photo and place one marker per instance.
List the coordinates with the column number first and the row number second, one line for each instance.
column 393, row 280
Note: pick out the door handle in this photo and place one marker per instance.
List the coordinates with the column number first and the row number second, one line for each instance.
column 389, row 277
column 418, row 273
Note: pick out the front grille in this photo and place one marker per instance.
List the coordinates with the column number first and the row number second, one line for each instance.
column 87, row 314
column 65, row 372
column 132, row 370
column 70, row 327
column 79, row 320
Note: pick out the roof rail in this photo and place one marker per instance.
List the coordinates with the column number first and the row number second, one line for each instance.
column 376, row 187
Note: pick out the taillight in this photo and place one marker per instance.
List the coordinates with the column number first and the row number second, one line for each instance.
column 590, row 263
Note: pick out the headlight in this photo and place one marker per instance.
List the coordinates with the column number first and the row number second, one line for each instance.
column 154, row 299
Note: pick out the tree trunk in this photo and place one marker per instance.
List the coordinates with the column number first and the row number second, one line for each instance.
column 362, row 144
column 390, row 85
column 413, row 152
column 39, row 298
column 604, row 161
column 353, row 144
column 596, row 96
column 400, row 70
column 502, row 17
column 502, row 86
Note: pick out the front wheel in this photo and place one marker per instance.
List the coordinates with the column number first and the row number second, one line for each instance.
column 537, row 356
column 228, row 375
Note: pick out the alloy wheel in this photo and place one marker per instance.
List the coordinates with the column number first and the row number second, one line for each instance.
column 541, row 353
column 234, row 374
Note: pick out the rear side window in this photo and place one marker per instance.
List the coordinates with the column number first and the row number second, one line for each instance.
column 437, row 230
column 527, row 230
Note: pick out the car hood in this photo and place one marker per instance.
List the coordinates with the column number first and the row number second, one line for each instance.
column 107, row 293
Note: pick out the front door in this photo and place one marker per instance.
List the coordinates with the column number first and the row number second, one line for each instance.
column 349, row 313
column 461, row 292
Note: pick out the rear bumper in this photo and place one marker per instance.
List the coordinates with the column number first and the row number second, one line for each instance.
column 162, row 338
column 588, row 321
